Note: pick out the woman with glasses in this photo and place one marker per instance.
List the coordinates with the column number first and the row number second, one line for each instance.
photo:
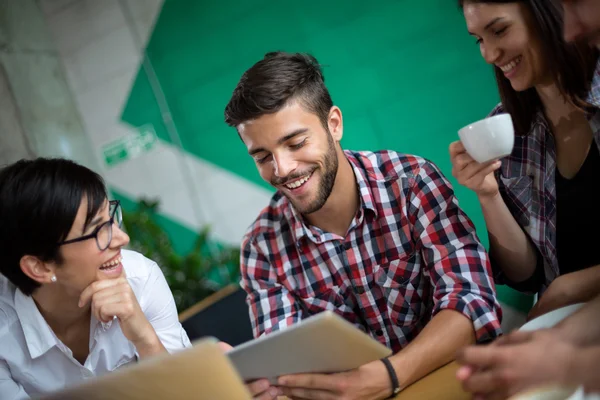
column 73, row 303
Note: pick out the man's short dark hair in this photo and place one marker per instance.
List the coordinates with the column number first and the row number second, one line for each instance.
column 275, row 80
column 39, row 200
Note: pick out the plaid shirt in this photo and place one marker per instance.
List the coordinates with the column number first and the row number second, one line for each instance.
column 527, row 185
column 410, row 252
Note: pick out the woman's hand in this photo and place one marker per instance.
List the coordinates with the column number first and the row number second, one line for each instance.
column 473, row 175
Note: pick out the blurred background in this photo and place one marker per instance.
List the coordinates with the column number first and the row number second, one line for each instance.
column 135, row 89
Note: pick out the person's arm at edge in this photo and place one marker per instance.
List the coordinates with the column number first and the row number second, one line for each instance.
column 586, row 365
column 578, row 327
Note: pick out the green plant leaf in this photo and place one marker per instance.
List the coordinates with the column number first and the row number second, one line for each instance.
column 192, row 277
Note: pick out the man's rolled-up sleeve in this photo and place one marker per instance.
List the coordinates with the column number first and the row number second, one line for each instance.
column 457, row 262
column 271, row 306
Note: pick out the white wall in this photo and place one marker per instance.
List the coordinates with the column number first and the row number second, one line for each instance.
column 37, row 112
column 101, row 49
column 14, row 145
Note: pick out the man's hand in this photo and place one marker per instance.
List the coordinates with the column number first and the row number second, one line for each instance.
column 112, row 298
column 519, row 361
column 260, row 389
column 369, row 382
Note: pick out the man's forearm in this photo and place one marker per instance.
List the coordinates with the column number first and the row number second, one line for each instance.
column 577, row 327
column 588, row 284
column 435, row 346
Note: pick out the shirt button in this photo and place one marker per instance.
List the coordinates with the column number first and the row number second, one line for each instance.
column 379, row 332
column 360, row 290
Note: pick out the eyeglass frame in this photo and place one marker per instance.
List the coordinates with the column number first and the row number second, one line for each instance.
column 94, row 234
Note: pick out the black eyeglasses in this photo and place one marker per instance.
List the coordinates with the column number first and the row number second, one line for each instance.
column 103, row 233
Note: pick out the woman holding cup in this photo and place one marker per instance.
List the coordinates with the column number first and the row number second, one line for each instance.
column 538, row 202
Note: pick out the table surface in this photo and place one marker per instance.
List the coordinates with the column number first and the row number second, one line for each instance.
column 441, row 384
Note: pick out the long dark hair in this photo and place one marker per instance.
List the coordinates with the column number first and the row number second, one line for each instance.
column 572, row 64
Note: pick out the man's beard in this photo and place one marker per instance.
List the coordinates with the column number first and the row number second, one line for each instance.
column 330, row 163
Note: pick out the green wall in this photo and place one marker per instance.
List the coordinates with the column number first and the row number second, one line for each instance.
column 405, row 73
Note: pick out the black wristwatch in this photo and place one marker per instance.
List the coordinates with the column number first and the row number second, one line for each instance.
column 393, row 377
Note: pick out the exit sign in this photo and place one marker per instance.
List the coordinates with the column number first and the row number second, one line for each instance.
column 130, row 146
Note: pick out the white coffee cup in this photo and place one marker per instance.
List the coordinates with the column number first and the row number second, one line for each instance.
column 552, row 393
column 489, row 139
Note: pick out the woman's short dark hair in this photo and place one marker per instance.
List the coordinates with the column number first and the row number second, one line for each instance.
column 269, row 84
column 571, row 64
column 39, row 200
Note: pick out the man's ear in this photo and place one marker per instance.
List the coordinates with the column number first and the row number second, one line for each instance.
column 335, row 123
column 36, row 269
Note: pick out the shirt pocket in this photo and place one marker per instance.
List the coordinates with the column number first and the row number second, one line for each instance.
column 518, row 195
column 328, row 298
column 399, row 281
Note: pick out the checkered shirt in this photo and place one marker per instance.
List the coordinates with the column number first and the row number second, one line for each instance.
column 409, row 253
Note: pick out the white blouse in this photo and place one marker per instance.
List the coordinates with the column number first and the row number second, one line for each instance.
column 34, row 361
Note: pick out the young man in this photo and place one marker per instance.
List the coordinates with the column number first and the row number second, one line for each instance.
column 378, row 238
column 73, row 303
column 582, row 21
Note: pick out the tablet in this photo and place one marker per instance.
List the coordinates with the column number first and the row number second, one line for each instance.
column 324, row 343
column 202, row 372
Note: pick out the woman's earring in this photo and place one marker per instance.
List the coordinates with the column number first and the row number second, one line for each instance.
column 53, row 279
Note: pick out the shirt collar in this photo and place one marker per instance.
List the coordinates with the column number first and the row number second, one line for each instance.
column 40, row 339
column 594, row 94
column 297, row 222
column 365, row 190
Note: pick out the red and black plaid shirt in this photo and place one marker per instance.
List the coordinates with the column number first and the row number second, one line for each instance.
column 410, row 252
